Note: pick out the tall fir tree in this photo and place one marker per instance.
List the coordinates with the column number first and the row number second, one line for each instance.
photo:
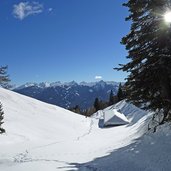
column 120, row 94
column 111, row 98
column 97, row 104
column 1, row 119
column 148, row 44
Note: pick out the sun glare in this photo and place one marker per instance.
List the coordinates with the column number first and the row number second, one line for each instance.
column 167, row 17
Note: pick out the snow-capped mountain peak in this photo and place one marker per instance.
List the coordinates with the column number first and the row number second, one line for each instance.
column 66, row 94
column 44, row 84
column 72, row 83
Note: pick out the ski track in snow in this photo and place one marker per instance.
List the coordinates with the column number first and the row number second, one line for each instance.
column 23, row 157
column 21, row 136
column 87, row 133
column 26, row 156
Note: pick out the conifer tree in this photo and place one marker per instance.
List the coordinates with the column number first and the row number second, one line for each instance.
column 4, row 78
column 111, row 98
column 149, row 52
column 97, row 104
column 1, row 119
column 120, row 93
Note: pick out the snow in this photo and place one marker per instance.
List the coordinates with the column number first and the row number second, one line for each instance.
column 68, row 84
column 72, row 83
column 25, row 86
column 55, row 84
column 113, row 117
column 90, row 90
column 44, row 84
column 45, row 137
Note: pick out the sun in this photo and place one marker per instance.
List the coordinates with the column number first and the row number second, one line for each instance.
column 167, row 17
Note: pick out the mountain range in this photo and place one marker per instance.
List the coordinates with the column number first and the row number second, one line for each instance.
column 69, row 94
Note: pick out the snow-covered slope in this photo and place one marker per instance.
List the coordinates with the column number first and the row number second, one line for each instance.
column 29, row 122
column 48, row 138
column 35, row 119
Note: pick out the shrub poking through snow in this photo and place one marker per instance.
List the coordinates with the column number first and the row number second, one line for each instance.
column 1, row 119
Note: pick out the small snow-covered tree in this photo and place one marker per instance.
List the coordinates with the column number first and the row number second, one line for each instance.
column 4, row 80
column 4, row 77
column 1, row 119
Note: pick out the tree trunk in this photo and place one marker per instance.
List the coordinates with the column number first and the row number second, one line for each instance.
column 165, row 94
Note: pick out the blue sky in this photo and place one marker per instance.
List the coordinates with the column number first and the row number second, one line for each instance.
column 62, row 40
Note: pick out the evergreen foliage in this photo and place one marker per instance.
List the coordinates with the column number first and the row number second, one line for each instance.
column 4, row 78
column 120, row 94
column 111, row 98
column 1, row 119
column 97, row 104
column 75, row 109
column 89, row 111
column 149, row 53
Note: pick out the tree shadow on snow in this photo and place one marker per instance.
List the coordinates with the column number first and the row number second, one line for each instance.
column 143, row 155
